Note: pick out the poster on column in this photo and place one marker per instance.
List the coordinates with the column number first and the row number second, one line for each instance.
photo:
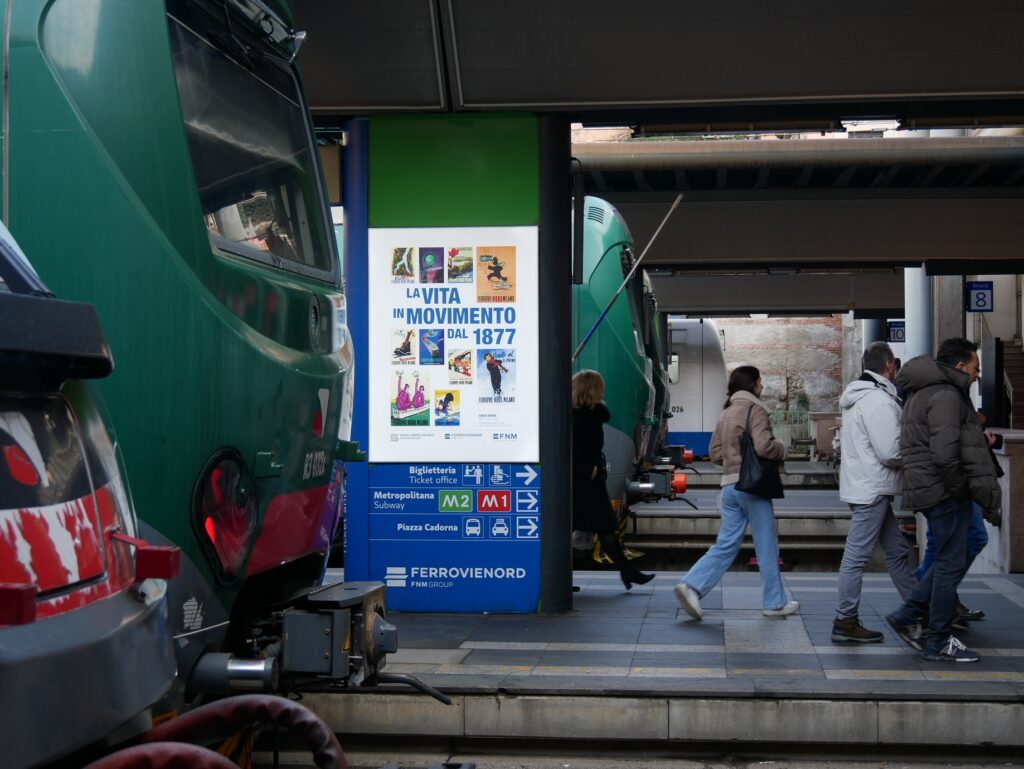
column 453, row 364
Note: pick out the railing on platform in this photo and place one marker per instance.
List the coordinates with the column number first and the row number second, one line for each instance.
column 793, row 428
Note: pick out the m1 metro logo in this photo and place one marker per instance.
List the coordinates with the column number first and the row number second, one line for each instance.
column 494, row 501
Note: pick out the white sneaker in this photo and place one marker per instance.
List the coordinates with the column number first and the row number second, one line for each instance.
column 790, row 608
column 689, row 600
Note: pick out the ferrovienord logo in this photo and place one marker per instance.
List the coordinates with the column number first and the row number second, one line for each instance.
column 396, row 576
column 467, row 572
column 445, row 576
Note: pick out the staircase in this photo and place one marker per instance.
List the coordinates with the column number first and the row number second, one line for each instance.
column 1013, row 371
column 664, row 526
column 812, row 521
column 673, row 537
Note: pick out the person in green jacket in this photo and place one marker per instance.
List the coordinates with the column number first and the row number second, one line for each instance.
column 946, row 467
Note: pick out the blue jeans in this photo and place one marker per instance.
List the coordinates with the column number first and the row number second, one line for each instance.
column 977, row 538
column 739, row 509
column 935, row 594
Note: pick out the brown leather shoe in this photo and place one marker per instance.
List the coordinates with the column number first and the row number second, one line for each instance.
column 851, row 631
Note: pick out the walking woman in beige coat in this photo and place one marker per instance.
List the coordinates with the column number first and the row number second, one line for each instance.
column 738, row 507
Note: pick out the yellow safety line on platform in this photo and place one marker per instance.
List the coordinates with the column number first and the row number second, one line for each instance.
column 867, row 675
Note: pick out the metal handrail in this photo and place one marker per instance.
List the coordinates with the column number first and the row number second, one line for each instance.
column 792, row 427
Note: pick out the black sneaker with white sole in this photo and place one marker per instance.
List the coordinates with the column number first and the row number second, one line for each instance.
column 911, row 634
column 950, row 651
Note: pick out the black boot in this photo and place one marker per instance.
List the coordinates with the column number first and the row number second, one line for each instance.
column 628, row 573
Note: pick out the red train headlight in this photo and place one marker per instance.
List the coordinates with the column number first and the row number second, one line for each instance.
column 224, row 514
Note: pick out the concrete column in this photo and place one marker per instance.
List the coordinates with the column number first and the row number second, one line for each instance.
column 917, row 292
column 873, row 330
column 949, row 307
column 853, row 347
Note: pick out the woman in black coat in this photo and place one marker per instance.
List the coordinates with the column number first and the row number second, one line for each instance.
column 591, row 507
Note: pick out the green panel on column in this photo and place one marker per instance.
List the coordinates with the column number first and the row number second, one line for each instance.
column 453, row 171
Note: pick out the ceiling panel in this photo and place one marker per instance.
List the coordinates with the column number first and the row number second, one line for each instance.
column 670, row 63
column 361, row 57
column 587, row 53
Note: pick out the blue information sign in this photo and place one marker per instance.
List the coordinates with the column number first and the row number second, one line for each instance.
column 457, row 537
column 979, row 296
column 897, row 331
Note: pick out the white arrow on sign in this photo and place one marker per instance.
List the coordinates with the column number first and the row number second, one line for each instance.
column 527, row 500
column 526, row 527
column 528, row 473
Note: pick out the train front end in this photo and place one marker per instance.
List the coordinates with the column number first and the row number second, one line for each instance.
column 616, row 350
column 84, row 645
column 165, row 156
column 628, row 348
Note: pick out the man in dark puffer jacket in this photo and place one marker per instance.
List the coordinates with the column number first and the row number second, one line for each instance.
column 946, row 465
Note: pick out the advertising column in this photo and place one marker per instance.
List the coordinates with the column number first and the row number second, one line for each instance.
column 451, row 354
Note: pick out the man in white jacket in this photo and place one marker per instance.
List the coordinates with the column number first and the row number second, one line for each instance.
column 868, row 481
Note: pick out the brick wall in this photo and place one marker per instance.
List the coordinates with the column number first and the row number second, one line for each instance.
column 793, row 354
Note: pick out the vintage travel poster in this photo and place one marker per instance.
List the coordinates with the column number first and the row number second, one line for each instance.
column 495, row 274
column 409, row 406
column 459, row 265
column 453, row 335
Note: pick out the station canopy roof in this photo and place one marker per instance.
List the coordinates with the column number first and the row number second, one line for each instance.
column 670, row 65
column 715, row 75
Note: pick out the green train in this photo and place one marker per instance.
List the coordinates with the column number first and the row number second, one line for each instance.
column 629, row 349
column 159, row 163
column 655, row 339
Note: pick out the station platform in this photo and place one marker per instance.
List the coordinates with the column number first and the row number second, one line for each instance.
column 796, row 474
column 633, row 666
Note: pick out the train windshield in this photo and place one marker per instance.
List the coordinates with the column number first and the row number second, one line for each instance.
column 252, row 154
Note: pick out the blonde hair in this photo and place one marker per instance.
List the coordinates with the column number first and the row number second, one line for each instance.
column 587, row 388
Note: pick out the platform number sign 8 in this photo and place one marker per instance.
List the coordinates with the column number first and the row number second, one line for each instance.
column 979, row 296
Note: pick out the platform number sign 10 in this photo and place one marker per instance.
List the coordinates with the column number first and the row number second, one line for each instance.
column 979, row 296
column 897, row 331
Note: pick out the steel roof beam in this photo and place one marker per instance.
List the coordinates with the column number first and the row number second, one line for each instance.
column 799, row 153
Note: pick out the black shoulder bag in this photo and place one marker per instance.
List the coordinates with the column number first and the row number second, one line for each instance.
column 758, row 476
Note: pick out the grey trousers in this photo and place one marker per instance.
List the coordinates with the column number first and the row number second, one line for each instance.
column 869, row 524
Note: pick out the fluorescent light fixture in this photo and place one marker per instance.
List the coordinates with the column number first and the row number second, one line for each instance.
column 858, row 125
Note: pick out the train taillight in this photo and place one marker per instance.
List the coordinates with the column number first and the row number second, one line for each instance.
column 224, row 514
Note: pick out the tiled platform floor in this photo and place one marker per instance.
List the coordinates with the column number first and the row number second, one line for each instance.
column 631, row 642
column 632, row 666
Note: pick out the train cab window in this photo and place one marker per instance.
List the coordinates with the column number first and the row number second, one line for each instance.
column 254, row 162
